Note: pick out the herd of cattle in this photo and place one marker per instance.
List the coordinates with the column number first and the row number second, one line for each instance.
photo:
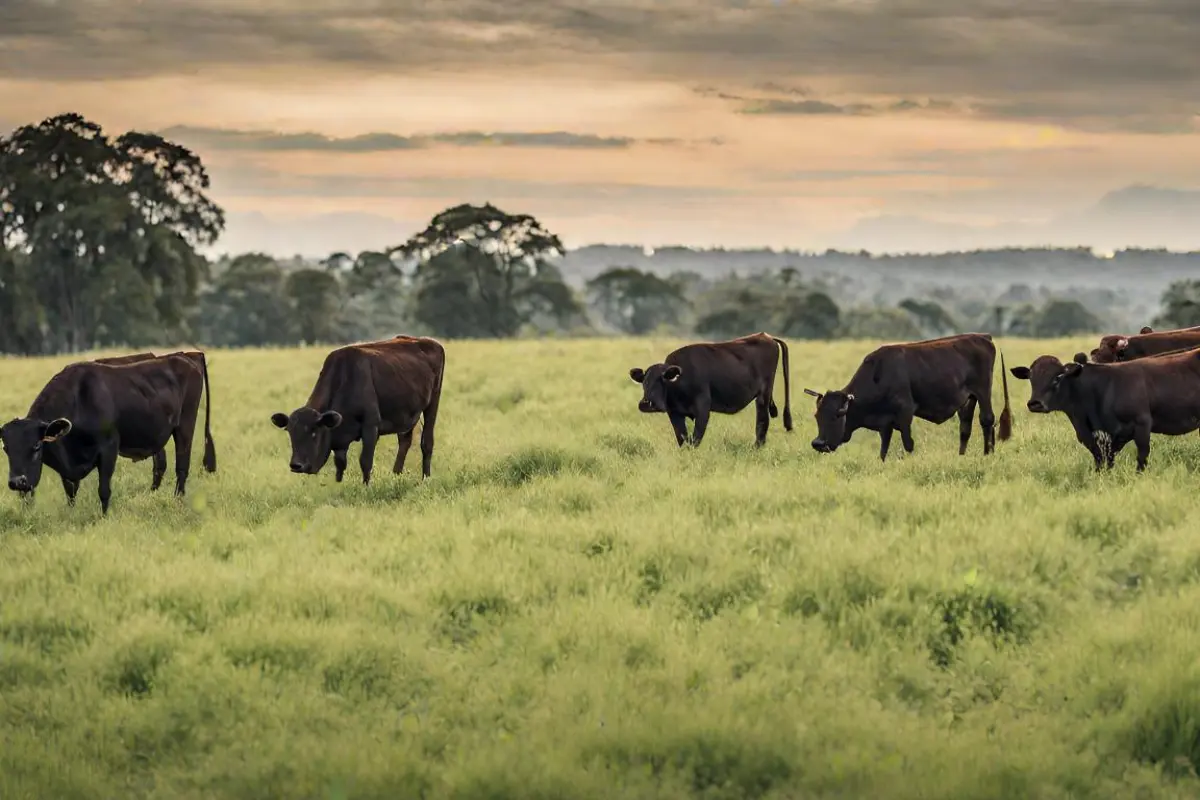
column 91, row 412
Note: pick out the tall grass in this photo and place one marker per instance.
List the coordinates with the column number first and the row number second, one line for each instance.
column 573, row 607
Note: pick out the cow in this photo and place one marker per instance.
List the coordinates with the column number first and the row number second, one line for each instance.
column 160, row 458
column 932, row 379
column 89, row 414
column 1110, row 405
column 365, row 391
column 1116, row 347
column 698, row 379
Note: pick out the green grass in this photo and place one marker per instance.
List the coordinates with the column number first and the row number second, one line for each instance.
column 572, row 607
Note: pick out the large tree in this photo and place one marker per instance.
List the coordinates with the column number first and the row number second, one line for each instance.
column 104, row 231
column 484, row 273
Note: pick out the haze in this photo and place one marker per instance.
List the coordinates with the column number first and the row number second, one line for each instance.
column 884, row 124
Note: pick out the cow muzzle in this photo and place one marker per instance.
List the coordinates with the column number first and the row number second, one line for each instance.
column 821, row 446
column 298, row 468
column 646, row 407
column 20, row 484
column 1036, row 406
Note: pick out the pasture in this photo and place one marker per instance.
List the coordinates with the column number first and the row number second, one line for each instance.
column 573, row 607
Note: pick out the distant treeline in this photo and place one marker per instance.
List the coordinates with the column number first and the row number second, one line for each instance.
column 101, row 242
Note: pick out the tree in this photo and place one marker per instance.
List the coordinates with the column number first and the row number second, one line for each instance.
column 484, row 273
column 247, row 306
column 108, row 229
column 636, row 302
column 1181, row 306
column 814, row 316
column 930, row 317
column 889, row 324
column 1064, row 318
column 316, row 300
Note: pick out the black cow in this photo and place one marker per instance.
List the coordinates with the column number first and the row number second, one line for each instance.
column 1116, row 347
column 160, row 458
column 1110, row 405
column 365, row 391
column 89, row 414
column 932, row 379
column 723, row 377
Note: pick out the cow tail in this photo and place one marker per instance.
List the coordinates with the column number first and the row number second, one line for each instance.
column 1005, row 432
column 210, row 449
column 787, row 385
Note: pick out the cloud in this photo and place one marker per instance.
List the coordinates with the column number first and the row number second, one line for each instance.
column 1104, row 64
column 252, row 181
column 276, row 141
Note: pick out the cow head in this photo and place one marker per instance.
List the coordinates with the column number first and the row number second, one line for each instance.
column 1112, row 348
column 23, row 441
column 832, row 408
column 311, row 432
column 1046, row 376
column 655, row 381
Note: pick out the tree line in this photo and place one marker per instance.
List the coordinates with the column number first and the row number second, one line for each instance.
column 101, row 241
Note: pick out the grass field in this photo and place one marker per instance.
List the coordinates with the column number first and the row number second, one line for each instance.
column 572, row 607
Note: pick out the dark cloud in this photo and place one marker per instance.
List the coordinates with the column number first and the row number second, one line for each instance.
column 1091, row 63
column 275, row 141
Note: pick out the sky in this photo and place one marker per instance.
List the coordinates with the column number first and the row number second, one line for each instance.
column 798, row 123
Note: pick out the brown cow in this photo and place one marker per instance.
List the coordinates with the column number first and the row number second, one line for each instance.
column 723, row 377
column 1116, row 347
column 89, row 414
column 160, row 458
column 932, row 379
column 365, row 391
column 1113, row 404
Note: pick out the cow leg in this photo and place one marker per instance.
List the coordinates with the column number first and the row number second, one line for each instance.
column 339, row 463
column 428, row 423
column 904, row 425
column 987, row 421
column 762, row 410
column 159, row 469
column 106, row 467
column 405, row 442
column 71, row 488
column 679, row 424
column 703, row 410
column 885, row 441
column 366, row 459
column 183, row 456
column 966, row 417
column 1141, row 437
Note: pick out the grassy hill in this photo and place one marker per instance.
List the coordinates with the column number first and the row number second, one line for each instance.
column 572, row 607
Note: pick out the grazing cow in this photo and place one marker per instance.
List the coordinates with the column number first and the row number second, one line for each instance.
column 1113, row 404
column 932, row 379
column 365, row 391
column 1116, row 348
column 723, row 377
column 89, row 414
column 160, row 458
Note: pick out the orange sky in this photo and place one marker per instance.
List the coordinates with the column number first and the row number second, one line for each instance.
column 751, row 123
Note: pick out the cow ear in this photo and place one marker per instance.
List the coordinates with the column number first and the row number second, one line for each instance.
column 1020, row 373
column 637, row 374
column 1080, row 359
column 811, row 393
column 1072, row 370
column 330, row 419
column 846, row 406
column 672, row 373
column 1146, row 329
column 280, row 420
column 56, row 430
